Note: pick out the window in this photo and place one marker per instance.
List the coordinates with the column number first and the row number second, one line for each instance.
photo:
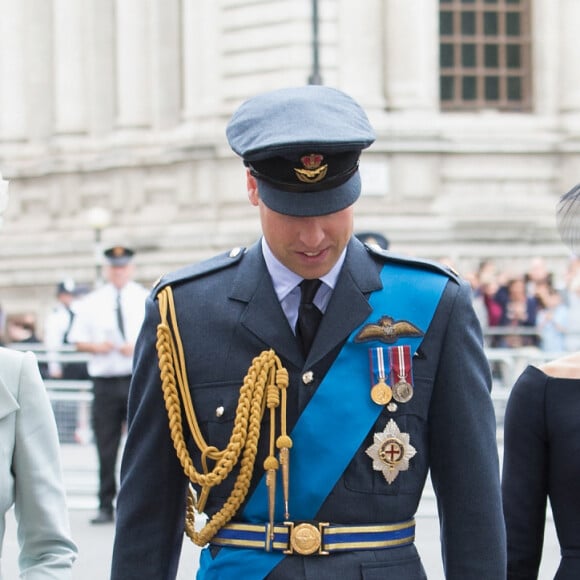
column 484, row 54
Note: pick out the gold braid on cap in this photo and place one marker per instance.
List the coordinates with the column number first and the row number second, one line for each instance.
column 265, row 385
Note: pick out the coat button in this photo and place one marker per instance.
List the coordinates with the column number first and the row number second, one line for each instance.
column 219, row 411
column 307, row 377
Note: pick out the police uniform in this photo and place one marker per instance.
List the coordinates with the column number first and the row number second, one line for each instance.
column 97, row 321
column 358, row 462
column 56, row 328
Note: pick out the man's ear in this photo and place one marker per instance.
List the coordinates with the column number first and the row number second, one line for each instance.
column 252, row 187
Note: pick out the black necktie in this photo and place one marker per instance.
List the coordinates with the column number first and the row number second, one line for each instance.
column 308, row 314
column 71, row 316
column 120, row 322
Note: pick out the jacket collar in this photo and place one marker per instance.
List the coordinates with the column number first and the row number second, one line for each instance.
column 347, row 309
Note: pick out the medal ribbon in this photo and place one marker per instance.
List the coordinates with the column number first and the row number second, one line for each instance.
column 377, row 357
column 400, row 362
column 324, row 443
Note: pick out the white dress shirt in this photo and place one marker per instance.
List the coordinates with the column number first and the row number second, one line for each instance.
column 96, row 321
column 286, row 284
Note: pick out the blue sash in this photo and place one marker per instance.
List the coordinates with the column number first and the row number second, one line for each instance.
column 316, row 458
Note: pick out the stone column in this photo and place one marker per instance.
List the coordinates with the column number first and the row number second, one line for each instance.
column 569, row 56
column 362, row 57
column 133, row 59
column 411, row 54
column 167, row 64
column 201, row 61
column 70, row 66
column 101, row 77
column 13, row 111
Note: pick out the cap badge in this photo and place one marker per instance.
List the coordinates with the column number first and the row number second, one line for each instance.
column 313, row 171
column 118, row 251
column 387, row 330
column 391, row 451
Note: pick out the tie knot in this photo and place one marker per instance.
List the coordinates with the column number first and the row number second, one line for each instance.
column 308, row 289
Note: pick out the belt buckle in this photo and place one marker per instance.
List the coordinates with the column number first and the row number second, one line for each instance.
column 306, row 539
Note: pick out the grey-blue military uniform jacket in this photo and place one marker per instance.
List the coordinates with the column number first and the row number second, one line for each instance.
column 228, row 313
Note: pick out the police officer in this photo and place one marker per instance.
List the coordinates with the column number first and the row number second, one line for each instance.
column 56, row 328
column 306, row 385
column 106, row 326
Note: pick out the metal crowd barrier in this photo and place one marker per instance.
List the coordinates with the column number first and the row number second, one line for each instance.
column 71, row 399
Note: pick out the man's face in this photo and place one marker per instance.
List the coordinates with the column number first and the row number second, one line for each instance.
column 118, row 276
column 309, row 246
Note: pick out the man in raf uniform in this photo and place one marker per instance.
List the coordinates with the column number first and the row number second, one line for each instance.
column 306, row 385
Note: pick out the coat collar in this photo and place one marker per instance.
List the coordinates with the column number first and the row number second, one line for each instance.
column 8, row 403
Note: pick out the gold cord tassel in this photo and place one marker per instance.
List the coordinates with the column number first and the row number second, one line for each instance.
column 259, row 386
column 284, row 443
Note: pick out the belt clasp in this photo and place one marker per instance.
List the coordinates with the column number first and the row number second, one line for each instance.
column 306, row 539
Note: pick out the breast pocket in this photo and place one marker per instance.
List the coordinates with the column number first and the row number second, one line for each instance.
column 215, row 406
column 407, row 426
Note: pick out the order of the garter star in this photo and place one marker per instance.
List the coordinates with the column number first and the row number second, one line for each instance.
column 391, row 451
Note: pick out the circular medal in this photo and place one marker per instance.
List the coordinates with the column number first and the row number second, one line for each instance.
column 403, row 391
column 381, row 393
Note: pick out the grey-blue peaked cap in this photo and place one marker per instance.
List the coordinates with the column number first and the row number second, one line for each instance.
column 277, row 132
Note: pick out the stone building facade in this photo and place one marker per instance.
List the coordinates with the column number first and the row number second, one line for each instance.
column 122, row 105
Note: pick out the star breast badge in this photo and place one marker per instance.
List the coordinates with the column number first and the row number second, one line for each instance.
column 391, row 451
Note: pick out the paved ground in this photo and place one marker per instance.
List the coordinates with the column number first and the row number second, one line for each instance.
column 95, row 542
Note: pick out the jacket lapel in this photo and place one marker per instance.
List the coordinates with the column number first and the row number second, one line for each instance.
column 264, row 316
column 349, row 306
column 347, row 309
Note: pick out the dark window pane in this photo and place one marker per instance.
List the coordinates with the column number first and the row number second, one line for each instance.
column 445, row 1
column 446, row 55
column 446, row 22
column 468, row 23
column 491, row 55
column 513, row 1
column 490, row 23
column 467, row 1
column 468, row 58
column 512, row 24
column 447, row 92
column 513, row 56
column 491, row 1
column 514, row 88
column 469, row 88
column 492, row 88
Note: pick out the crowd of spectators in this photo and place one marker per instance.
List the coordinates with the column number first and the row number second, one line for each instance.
column 528, row 309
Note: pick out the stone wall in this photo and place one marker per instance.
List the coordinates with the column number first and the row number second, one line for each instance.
column 122, row 104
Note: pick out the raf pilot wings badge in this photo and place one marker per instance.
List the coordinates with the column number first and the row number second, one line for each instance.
column 387, row 330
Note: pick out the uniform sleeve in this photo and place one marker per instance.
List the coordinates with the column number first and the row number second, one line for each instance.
column 463, row 451
column 525, row 474
column 151, row 502
column 47, row 551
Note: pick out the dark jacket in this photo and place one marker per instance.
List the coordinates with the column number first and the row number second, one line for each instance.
column 541, row 446
column 228, row 313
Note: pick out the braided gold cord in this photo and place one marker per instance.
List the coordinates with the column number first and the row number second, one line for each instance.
column 256, row 392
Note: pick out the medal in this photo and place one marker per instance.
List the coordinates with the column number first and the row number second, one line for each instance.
column 391, row 451
column 403, row 391
column 381, row 392
column 400, row 363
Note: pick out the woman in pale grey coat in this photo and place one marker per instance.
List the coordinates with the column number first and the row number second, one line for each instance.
column 30, row 468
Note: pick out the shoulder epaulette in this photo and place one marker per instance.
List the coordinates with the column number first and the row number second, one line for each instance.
column 414, row 262
column 199, row 269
